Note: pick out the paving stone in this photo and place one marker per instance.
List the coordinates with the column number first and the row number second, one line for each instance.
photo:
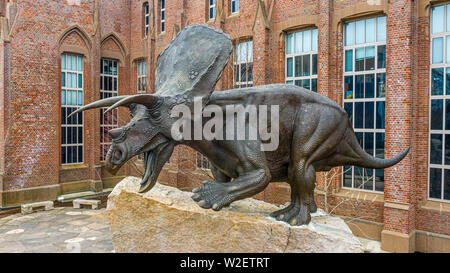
column 54, row 232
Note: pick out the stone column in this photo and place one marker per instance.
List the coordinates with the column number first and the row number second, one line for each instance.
column 398, row 232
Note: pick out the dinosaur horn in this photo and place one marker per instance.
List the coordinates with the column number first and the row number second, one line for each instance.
column 98, row 104
column 144, row 99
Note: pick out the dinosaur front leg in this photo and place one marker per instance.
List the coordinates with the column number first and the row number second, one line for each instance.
column 217, row 195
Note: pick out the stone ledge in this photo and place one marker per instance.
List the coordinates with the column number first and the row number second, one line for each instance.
column 166, row 219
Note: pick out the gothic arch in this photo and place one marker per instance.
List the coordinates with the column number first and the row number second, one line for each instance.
column 75, row 29
column 113, row 54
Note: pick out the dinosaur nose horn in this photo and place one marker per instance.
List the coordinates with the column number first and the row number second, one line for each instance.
column 115, row 133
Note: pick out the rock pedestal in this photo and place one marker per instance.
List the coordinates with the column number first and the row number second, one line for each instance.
column 166, row 219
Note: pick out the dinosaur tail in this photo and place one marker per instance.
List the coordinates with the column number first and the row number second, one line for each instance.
column 365, row 160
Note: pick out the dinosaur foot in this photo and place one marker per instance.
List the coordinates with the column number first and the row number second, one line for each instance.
column 294, row 214
column 212, row 195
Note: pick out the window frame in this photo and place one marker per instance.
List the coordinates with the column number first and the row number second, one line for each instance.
column 375, row 99
column 146, row 12
column 114, row 112
column 211, row 7
column 237, row 6
column 293, row 55
column 444, row 97
column 162, row 14
column 236, row 62
column 64, row 69
column 202, row 162
column 141, row 76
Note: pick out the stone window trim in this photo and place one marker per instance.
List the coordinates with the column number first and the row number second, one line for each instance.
column 439, row 96
column 372, row 73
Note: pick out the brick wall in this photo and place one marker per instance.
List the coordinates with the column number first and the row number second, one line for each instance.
column 42, row 30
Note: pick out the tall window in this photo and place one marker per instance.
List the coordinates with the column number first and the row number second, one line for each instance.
column 439, row 170
column 71, row 99
column 163, row 15
column 146, row 17
column 142, row 77
column 301, row 59
column 243, row 64
column 212, row 9
column 234, row 6
column 364, row 95
column 108, row 88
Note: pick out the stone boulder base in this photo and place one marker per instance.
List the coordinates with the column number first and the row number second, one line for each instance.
column 166, row 219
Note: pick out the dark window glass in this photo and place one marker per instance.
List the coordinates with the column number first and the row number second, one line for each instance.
column 359, row 114
column 243, row 72
column 306, row 84
column 370, row 86
column 349, row 109
column 250, row 72
column 306, row 65
column 437, row 81
column 314, row 64
column 314, row 85
column 289, row 67
column 348, row 87
column 447, row 185
column 368, row 179
column 436, row 114
column 298, row 83
column 380, row 114
column 381, row 55
column 435, row 183
column 379, row 148
column 447, row 114
column 447, row 77
column 368, row 117
column 348, row 176
column 298, row 66
column 379, row 180
column 359, row 86
column 447, row 150
column 436, row 149
column 381, row 85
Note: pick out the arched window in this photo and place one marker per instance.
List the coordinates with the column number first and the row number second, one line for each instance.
column 212, row 9
column 364, row 95
column 71, row 100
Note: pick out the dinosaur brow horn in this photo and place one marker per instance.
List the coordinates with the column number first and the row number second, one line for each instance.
column 97, row 104
column 144, row 99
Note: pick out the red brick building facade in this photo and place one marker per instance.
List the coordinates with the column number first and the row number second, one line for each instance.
column 382, row 60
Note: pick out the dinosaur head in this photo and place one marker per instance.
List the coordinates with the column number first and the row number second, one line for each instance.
column 141, row 135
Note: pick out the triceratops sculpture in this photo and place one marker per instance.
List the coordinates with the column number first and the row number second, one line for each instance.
column 315, row 133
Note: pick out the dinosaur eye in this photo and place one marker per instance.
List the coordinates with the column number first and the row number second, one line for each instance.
column 155, row 114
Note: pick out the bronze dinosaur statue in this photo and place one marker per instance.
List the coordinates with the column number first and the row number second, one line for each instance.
column 314, row 132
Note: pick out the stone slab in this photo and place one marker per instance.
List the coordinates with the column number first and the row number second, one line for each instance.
column 28, row 208
column 166, row 219
column 77, row 203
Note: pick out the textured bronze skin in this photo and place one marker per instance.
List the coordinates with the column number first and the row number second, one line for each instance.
column 315, row 132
